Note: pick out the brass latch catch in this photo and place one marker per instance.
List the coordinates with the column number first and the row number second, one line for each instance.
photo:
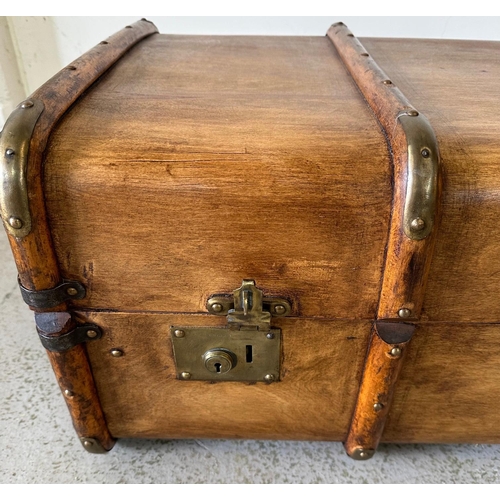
column 248, row 349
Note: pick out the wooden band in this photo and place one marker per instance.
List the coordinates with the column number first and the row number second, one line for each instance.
column 34, row 254
column 382, row 366
column 408, row 259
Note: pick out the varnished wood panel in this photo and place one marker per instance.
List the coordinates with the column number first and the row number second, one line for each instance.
column 449, row 388
column 444, row 394
column 322, row 363
column 199, row 161
column 455, row 84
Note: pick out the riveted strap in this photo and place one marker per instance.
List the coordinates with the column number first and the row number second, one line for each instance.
column 415, row 159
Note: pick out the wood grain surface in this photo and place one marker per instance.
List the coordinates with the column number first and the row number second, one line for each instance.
column 449, row 387
column 444, row 394
column 200, row 161
column 141, row 396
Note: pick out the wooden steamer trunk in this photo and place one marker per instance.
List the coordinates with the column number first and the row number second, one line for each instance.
column 254, row 237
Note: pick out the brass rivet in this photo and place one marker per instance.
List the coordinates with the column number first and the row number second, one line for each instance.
column 362, row 454
column 364, row 54
column 27, row 104
column 71, row 291
column 104, row 42
column 270, row 335
column 387, row 82
column 91, row 334
column 378, row 406
column 412, row 112
column 117, row 353
column 71, row 68
column 279, row 309
column 426, row 153
column 179, row 333
column 269, row 377
column 395, row 352
column 350, row 35
column 88, row 444
column 404, row 313
column 217, row 307
column 417, row 224
column 9, row 152
column 68, row 393
column 128, row 26
column 15, row 223
column 185, row 375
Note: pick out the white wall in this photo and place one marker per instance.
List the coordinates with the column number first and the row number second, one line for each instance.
column 34, row 48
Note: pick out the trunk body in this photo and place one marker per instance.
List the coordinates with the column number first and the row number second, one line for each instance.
column 193, row 163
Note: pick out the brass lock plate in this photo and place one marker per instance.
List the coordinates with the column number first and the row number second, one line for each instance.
column 224, row 354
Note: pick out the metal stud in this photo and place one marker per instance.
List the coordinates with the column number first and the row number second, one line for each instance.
column 280, row 309
column 87, row 444
column 378, row 406
column 216, row 307
column 412, row 112
column 68, row 393
column 116, row 353
column 387, row 82
column 15, row 223
column 362, row 454
column 27, row 104
column 269, row 377
column 91, row 334
column 364, row 54
column 72, row 291
column 270, row 335
column 179, row 333
column 404, row 313
column 9, row 152
column 417, row 224
column 425, row 153
column 185, row 375
column 92, row 445
column 395, row 352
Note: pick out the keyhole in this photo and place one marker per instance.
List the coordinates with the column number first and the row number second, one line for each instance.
column 217, row 367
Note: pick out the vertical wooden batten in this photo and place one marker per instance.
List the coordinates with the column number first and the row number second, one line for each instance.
column 411, row 239
column 34, row 252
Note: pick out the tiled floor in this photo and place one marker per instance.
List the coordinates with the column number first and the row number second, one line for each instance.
column 38, row 444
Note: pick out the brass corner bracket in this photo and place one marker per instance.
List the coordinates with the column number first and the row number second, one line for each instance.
column 422, row 188
column 15, row 141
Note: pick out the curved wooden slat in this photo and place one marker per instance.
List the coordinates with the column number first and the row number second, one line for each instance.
column 414, row 152
column 34, row 253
